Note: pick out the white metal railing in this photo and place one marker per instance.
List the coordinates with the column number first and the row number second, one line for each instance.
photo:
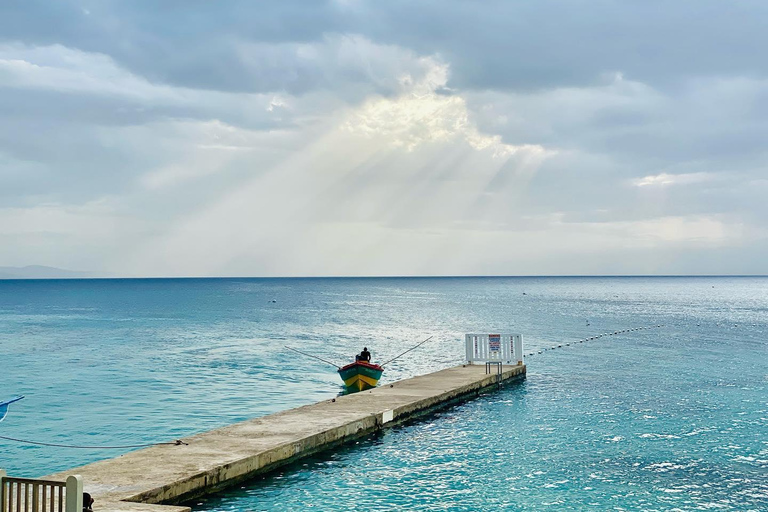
column 505, row 348
column 34, row 495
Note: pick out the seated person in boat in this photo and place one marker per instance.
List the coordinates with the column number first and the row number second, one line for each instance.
column 364, row 356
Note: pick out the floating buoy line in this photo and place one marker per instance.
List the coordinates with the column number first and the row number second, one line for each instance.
column 592, row 338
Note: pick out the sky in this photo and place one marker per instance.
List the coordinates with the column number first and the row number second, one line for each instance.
column 367, row 138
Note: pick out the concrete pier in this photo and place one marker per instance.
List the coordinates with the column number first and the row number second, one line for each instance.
column 149, row 479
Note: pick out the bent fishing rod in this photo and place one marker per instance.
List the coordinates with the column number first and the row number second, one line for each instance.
column 412, row 348
column 310, row 355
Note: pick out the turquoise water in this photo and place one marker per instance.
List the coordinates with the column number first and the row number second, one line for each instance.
column 664, row 419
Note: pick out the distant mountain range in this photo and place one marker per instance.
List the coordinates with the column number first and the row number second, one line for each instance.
column 41, row 272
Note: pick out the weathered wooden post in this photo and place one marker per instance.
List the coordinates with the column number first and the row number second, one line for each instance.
column 74, row 493
column 2, row 490
column 36, row 498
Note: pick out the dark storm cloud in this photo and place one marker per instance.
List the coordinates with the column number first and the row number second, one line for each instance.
column 552, row 43
column 190, row 44
column 496, row 44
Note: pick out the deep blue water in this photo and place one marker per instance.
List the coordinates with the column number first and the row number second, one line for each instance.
column 674, row 418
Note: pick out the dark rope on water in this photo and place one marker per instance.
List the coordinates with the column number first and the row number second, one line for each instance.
column 591, row 338
column 177, row 442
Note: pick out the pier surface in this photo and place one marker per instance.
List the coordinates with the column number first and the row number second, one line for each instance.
column 146, row 479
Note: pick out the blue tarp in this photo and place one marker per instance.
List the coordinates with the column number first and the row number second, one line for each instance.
column 4, row 406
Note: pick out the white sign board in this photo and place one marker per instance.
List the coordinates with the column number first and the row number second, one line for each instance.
column 506, row 348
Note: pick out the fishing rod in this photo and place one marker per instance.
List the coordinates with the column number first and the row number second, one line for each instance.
column 314, row 357
column 412, row 348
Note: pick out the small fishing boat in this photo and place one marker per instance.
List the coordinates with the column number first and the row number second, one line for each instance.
column 360, row 375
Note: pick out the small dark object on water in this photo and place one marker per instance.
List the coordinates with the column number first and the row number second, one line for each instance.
column 87, row 502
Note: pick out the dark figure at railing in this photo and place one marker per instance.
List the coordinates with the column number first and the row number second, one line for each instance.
column 87, row 502
column 364, row 356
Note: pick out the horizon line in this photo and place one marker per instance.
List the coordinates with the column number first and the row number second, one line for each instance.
column 468, row 276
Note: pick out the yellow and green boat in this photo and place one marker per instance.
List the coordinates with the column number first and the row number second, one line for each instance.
column 360, row 375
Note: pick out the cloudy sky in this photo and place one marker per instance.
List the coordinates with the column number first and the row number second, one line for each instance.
column 352, row 137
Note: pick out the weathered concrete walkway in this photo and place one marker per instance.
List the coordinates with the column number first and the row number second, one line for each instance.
column 140, row 480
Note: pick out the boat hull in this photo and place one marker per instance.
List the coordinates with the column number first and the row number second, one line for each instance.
column 360, row 375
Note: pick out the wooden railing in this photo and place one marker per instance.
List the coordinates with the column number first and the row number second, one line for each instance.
column 33, row 495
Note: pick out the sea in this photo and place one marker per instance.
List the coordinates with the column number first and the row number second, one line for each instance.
column 670, row 417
